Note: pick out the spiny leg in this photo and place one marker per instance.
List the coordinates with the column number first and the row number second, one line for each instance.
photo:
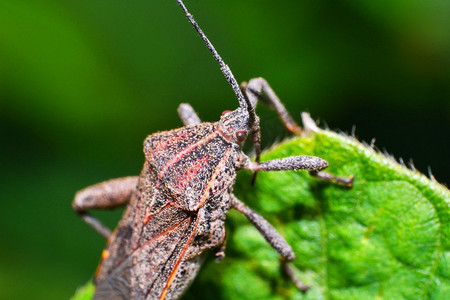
column 289, row 271
column 347, row 181
column 310, row 126
column 311, row 163
column 259, row 89
column 220, row 252
column 274, row 239
column 105, row 195
column 187, row 114
column 266, row 229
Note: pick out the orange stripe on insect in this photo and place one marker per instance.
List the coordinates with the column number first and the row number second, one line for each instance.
column 105, row 255
column 154, row 214
column 161, row 234
column 190, row 172
column 162, row 146
column 179, row 155
column 177, row 264
column 211, row 182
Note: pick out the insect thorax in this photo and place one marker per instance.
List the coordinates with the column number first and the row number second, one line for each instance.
column 192, row 164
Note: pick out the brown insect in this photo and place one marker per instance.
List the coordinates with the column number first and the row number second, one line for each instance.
column 177, row 206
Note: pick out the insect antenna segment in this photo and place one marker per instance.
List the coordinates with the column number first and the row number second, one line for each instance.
column 243, row 101
column 223, row 66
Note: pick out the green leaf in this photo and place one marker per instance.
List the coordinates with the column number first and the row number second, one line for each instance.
column 386, row 237
column 84, row 293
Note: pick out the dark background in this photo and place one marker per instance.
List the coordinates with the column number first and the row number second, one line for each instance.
column 83, row 82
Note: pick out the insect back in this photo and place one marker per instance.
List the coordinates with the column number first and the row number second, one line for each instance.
column 195, row 163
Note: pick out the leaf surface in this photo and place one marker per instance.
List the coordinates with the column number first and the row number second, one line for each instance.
column 386, row 237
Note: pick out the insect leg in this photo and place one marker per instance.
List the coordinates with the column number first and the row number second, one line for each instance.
column 274, row 239
column 288, row 270
column 220, row 252
column 312, row 163
column 187, row 114
column 310, row 126
column 105, row 195
column 266, row 229
column 259, row 89
column 348, row 181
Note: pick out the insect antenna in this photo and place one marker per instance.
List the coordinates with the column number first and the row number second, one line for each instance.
column 243, row 101
column 223, row 66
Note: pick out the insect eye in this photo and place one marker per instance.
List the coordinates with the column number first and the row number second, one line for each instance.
column 241, row 135
column 225, row 112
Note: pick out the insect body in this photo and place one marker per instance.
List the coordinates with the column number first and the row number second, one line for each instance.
column 178, row 205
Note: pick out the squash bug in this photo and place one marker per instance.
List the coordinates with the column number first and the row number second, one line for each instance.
column 177, row 206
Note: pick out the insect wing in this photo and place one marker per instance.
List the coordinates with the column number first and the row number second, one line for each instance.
column 150, row 269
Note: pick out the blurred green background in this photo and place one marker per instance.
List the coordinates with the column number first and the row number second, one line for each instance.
column 83, row 82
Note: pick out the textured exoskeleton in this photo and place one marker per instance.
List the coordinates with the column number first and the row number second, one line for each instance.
column 177, row 206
